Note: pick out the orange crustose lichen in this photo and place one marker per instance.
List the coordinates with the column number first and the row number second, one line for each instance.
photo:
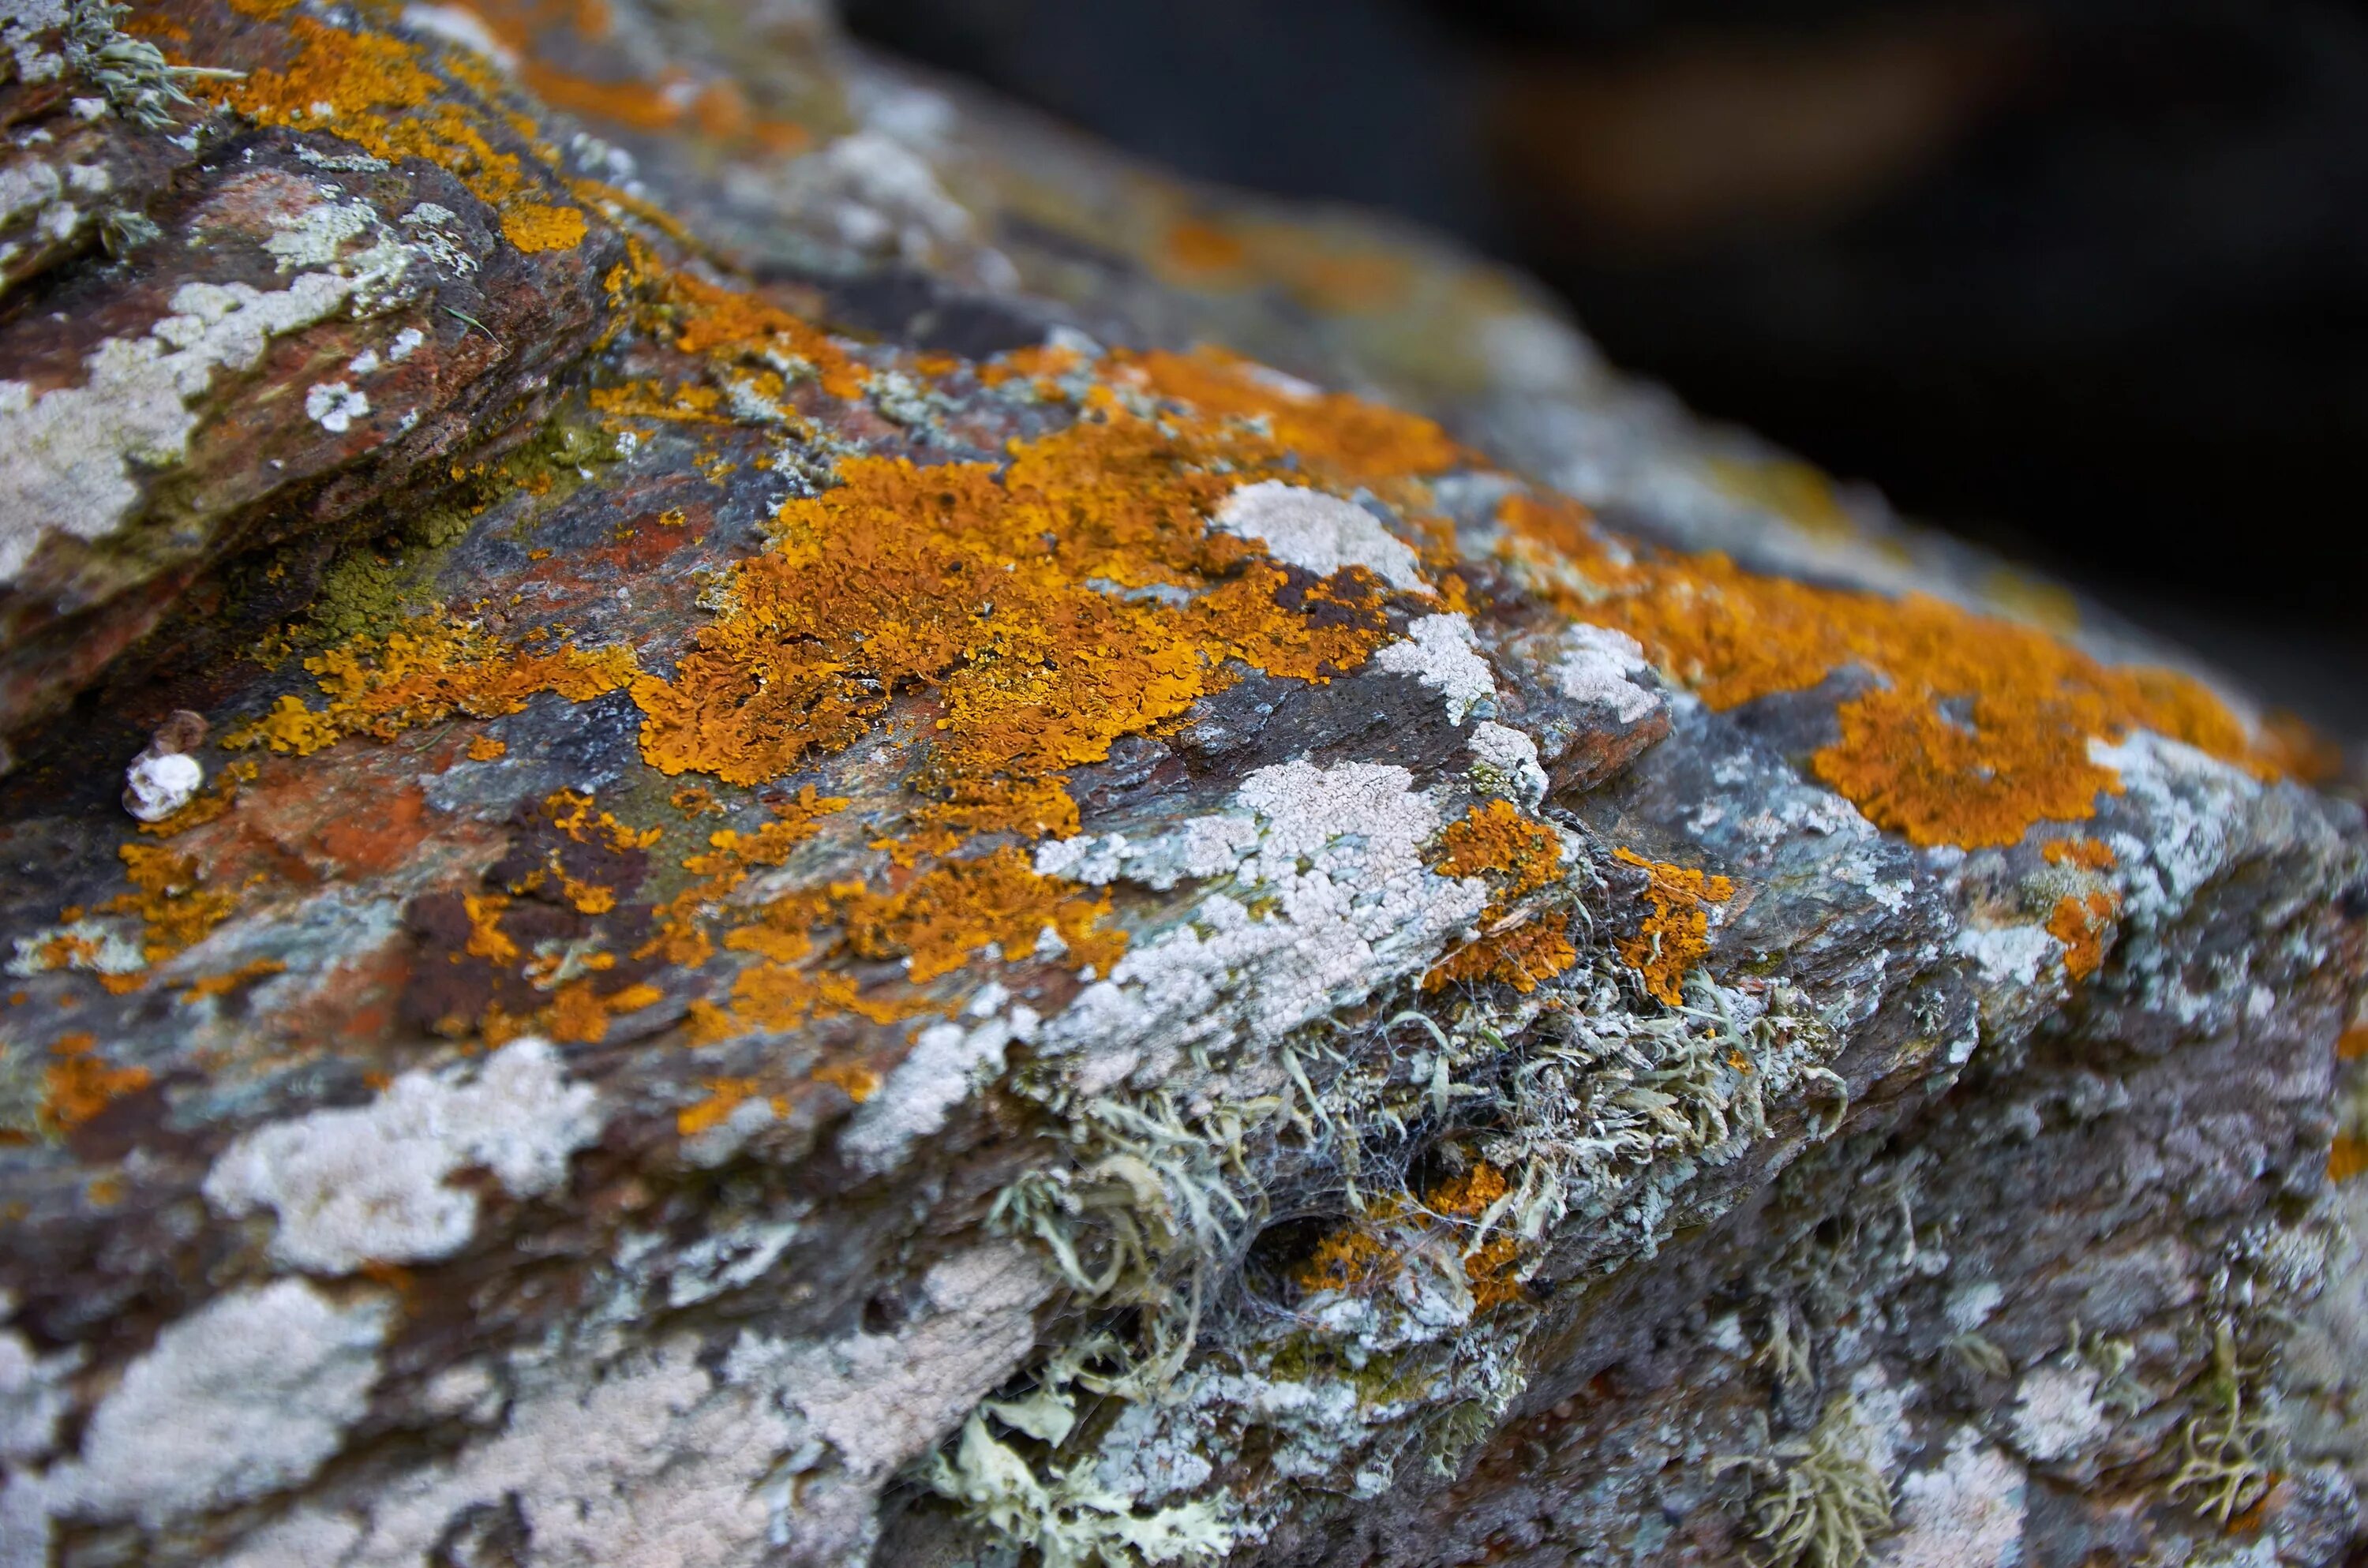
column 2081, row 924
column 1339, row 437
column 1517, row 857
column 1037, row 606
column 1676, row 935
column 380, row 687
column 373, row 90
column 1368, row 1251
column 77, row 1085
column 1978, row 729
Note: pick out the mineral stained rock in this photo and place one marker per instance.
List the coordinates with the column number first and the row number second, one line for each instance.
column 876, row 840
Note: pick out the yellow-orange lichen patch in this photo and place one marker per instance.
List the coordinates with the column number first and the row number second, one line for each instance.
column 486, row 748
column 1516, row 856
column 724, row 1096
column 2351, row 1044
column 859, row 1082
column 382, row 686
column 1978, row 729
column 1676, row 935
column 375, row 91
column 2081, row 924
column 963, row 906
column 78, row 1085
column 1339, row 437
column 1369, row 1250
column 171, row 899
column 2086, row 854
column 2346, row 1158
column 1488, row 1267
column 579, row 1014
column 683, row 935
column 1030, row 603
column 734, row 326
column 224, row 984
column 534, row 226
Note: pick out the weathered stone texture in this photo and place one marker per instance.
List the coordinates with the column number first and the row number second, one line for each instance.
column 913, row 847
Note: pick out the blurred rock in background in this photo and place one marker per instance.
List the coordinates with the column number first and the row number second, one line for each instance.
column 2088, row 281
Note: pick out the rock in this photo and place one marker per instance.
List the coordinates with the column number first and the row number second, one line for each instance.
column 854, row 903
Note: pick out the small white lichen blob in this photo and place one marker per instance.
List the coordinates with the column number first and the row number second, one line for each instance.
column 1967, row 1514
column 1317, row 533
column 352, row 1187
column 1440, row 652
column 1506, row 759
column 1600, row 665
column 155, row 786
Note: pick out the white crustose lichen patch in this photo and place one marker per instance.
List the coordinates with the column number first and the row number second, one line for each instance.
column 155, row 787
column 335, row 406
column 1505, row 762
column 1317, row 533
column 68, row 455
column 1600, row 665
column 1440, row 652
column 248, row 1395
column 1328, row 857
column 352, row 1187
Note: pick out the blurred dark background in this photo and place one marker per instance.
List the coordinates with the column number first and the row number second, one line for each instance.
column 2088, row 281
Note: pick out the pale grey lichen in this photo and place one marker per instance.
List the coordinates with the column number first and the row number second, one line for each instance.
column 351, row 1187
column 249, row 1394
column 1318, row 533
column 1440, row 652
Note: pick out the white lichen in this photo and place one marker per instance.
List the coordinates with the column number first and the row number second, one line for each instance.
column 2055, row 1412
column 69, row 457
column 1966, row 1514
column 1600, row 665
column 244, row 1397
column 90, row 946
column 936, row 1076
column 352, row 1187
column 1317, row 533
column 1440, row 652
column 335, row 406
column 155, row 786
column 1505, row 762
column 1331, row 858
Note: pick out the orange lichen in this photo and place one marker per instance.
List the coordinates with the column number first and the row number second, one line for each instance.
column 532, row 226
column 1337, row 436
column 2086, row 854
column 1488, row 1267
column 1204, row 252
column 1010, row 599
column 579, row 1015
column 171, row 899
column 1676, row 935
column 2347, row 1157
column 962, row 907
column 2081, row 924
column 2351, row 1044
column 247, row 973
column 1370, row 1249
column 382, row 686
column 77, row 1085
column 1979, row 729
column 485, row 748
column 1516, row 856
column 373, row 90
column 736, row 326
column 724, row 1096
column 860, row 1083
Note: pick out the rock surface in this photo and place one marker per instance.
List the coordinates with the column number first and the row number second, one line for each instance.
column 842, row 896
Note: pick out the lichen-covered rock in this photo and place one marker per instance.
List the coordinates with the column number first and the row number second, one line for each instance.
column 802, row 882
